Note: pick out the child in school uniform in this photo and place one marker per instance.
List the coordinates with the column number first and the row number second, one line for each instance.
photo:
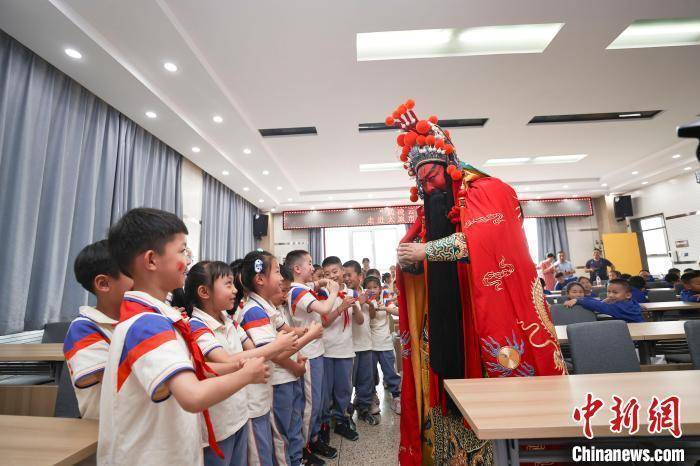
column 209, row 293
column 276, row 436
column 155, row 382
column 618, row 304
column 382, row 342
column 363, row 376
column 339, row 354
column 691, row 285
column 306, row 308
column 575, row 290
column 587, row 287
column 562, row 280
column 639, row 290
column 86, row 345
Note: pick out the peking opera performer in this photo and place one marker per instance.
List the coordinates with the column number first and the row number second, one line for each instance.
column 471, row 304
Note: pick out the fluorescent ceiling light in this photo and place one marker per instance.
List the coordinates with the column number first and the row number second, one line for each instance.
column 659, row 33
column 169, row 66
column 74, row 54
column 196, row 149
column 559, row 158
column 247, row 151
column 677, row 156
column 629, row 115
column 457, row 42
column 381, row 167
column 217, row 119
column 507, row 161
column 225, row 172
column 151, row 114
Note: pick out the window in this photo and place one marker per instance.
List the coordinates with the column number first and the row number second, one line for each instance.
column 530, row 227
column 653, row 231
column 376, row 243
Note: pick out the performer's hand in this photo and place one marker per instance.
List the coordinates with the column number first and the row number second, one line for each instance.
column 410, row 253
column 570, row 303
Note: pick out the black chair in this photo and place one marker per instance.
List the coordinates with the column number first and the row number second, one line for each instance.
column 55, row 332
column 602, row 347
column 66, row 402
column 660, row 296
column 562, row 315
column 692, row 335
column 658, row 284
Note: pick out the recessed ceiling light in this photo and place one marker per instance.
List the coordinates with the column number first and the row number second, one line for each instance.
column 247, row 151
column 279, row 188
column 74, row 54
column 225, row 172
column 313, row 207
column 565, row 186
column 658, row 33
column 330, row 198
column 629, row 115
column 604, row 184
column 429, row 43
column 246, row 188
column 289, row 199
column 151, row 114
column 261, row 200
column 507, row 161
column 677, row 156
column 370, row 195
column 687, row 168
column 169, row 66
column 645, row 182
column 273, row 209
column 635, row 172
column 381, row 167
column 196, row 149
column 217, row 119
column 559, row 158
column 265, row 172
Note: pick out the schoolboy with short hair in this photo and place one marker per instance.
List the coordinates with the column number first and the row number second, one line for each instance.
column 639, row 290
column 86, row 345
column 153, row 354
column 339, row 354
column 305, row 307
column 618, row 304
column 691, row 284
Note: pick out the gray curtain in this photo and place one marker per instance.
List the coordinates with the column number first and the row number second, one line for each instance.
column 552, row 237
column 317, row 244
column 61, row 150
column 227, row 223
column 148, row 172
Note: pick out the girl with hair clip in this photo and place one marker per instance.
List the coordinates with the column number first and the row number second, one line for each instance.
column 209, row 292
column 273, row 439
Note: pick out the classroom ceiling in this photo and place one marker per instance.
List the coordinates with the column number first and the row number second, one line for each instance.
column 277, row 64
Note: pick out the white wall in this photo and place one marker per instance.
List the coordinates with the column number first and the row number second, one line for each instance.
column 680, row 195
column 192, row 191
column 284, row 241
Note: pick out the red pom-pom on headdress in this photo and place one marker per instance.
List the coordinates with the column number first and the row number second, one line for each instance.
column 410, row 138
column 433, row 119
column 414, row 198
column 403, row 157
column 449, row 149
column 414, row 190
column 399, row 139
column 396, row 115
column 456, row 175
column 423, row 127
column 420, row 140
column 439, row 143
column 401, row 109
column 389, row 121
column 410, row 104
column 430, row 140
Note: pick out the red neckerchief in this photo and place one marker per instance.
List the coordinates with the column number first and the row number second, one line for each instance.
column 341, row 295
column 131, row 307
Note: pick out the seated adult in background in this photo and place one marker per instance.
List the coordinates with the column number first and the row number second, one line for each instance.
column 639, row 289
column 587, row 287
column 564, row 266
column 646, row 275
column 691, row 282
column 562, row 280
column 574, row 290
column 618, row 304
column 547, row 270
column 674, row 280
column 598, row 266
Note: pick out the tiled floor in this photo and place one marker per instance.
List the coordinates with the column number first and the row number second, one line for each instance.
column 378, row 445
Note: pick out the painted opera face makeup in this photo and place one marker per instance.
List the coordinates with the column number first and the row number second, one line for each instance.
column 432, row 177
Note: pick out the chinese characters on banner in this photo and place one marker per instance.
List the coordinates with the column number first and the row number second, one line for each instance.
column 661, row 415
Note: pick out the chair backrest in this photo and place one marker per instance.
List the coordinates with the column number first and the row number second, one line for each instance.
column 66, row 402
column 55, row 332
column 556, row 299
column 602, row 347
column 562, row 315
column 692, row 334
column 658, row 284
column 659, row 296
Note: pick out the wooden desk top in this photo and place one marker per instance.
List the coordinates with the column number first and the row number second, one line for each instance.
column 32, row 352
column 670, row 306
column 542, row 407
column 46, row 440
column 655, row 331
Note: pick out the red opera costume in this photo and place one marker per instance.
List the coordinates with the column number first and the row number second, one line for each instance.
column 475, row 307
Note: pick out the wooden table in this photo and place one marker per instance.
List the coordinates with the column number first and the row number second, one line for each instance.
column 646, row 333
column 657, row 309
column 46, row 440
column 31, row 352
column 507, row 409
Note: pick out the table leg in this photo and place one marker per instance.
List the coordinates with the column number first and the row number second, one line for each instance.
column 500, row 453
column 645, row 352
